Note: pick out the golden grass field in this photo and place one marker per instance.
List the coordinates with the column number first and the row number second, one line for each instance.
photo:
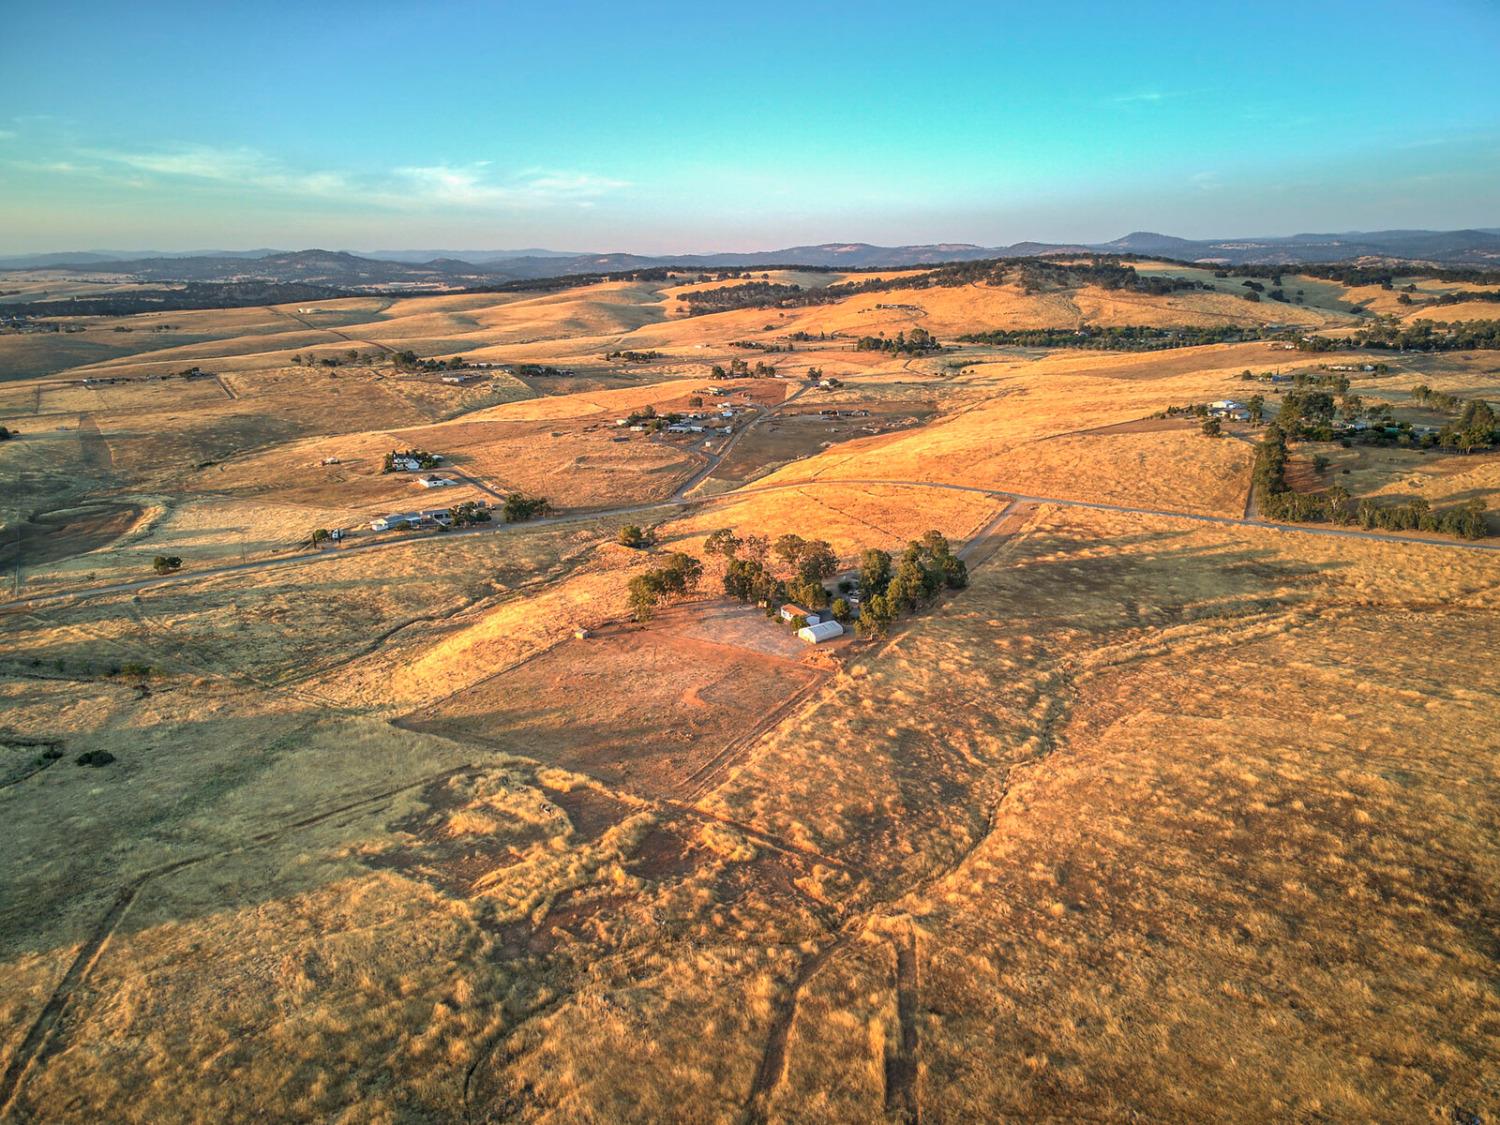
column 1169, row 815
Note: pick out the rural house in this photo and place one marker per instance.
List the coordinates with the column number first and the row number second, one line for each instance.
column 396, row 521
column 791, row 611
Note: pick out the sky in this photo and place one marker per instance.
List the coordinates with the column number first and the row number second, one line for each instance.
column 676, row 127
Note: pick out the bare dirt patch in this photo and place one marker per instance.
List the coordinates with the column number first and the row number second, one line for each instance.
column 639, row 708
column 52, row 536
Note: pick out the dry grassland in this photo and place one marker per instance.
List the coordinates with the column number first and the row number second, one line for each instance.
column 1158, row 819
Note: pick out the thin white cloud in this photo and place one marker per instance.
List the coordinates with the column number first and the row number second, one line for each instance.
column 242, row 167
column 471, row 186
column 1142, row 97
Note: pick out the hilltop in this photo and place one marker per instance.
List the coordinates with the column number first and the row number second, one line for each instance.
column 1464, row 247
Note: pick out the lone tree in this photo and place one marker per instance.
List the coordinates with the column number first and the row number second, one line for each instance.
column 166, row 564
column 1212, row 427
column 632, row 535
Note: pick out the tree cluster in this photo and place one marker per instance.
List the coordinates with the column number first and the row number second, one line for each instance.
column 1125, row 338
column 918, row 342
column 1420, row 336
column 887, row 589
column 518, row 508
column 1278, row 501
column 677, row 576
column 468, row 513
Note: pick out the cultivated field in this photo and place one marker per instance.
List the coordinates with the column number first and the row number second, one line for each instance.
column 1170, row 814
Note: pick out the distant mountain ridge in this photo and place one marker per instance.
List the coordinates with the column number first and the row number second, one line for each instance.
column 1478, row 248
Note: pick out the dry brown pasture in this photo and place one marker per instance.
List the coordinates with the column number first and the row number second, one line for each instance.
column 1165, row 816
column 647, row 710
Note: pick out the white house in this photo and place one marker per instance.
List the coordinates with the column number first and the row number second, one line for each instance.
column 405, row 465
column 395, row 521
column 791, row 611
column 1229, row 408
column 822, row 631
column 434, row 482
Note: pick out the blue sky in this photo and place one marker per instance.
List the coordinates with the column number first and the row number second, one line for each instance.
column 672, row 127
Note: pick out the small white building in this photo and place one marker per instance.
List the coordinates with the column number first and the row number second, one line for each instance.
column 434, row 482
column 405, row 465
column 791, row 611
column 822, row 631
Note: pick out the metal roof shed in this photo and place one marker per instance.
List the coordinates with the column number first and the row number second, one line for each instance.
column 822, row 631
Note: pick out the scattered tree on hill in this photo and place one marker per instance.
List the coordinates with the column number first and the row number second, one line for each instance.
column 166, row 564
column 633, row 535
column 1212, row 427
column 722, row 542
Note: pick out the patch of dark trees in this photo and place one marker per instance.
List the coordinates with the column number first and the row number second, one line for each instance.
column 193, row 295
column 920, row 342
column 1128, row 338
column 1420, row 336
column 1033, row 275
column 1279, row 501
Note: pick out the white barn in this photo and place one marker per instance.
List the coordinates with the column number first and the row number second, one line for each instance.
column 822, row 631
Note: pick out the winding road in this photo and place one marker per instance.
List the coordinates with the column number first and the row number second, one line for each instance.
column 681, row 501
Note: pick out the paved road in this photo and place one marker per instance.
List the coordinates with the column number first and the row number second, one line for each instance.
column 327, row 554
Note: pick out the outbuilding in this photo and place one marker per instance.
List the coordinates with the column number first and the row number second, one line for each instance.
column 822, row 631
column 791, row 611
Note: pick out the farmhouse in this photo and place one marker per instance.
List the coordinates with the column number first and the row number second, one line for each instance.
column 791, row 611
column 396, row 521
column 434, row 481
column 822, row 631
column 1229, row 408
column 405, row 465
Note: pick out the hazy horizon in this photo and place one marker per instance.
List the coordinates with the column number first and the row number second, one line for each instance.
column 707, row 251
column 665, row 133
